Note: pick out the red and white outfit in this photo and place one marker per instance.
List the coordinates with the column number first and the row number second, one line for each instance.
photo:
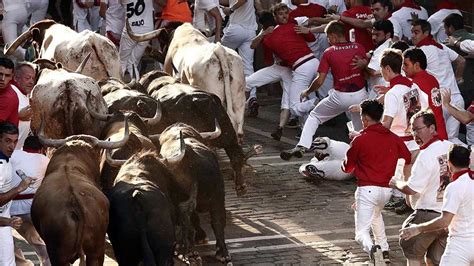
column 373, row 157
column 299, row 58
column 436, row 20
column 362, row 36
column 430, row 86
column 7, row 257
column 401, row 102
column 374, row 64
column 402, row 17
column 459, row 200
column 140, row 16
column 86, row 18
column 23, row 126
column 114, row 20
column 439, row 58
column 348, row 89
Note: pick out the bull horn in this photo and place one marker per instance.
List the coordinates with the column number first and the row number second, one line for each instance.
column 155, row 137
column 156, row 119
column 10, row 49
column 133, row 80
column 93, row 113
column 105, row 144
column 83, row 63
column 182, row 151
column 45, row 63
column 111, row 161
column 55, row 143
column 142, row 37
column 212, row 135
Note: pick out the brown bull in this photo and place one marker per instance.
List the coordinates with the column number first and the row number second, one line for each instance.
column 69, row 210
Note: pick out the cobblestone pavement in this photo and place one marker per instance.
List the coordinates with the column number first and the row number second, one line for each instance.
column 285, row 219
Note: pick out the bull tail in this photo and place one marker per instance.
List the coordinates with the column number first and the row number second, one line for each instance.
column 139, row 214
column 106, row 54
column 219, row 51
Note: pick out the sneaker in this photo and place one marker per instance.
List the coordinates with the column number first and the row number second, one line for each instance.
column 386, row 256
column 276, row 135
column 403, row 208
column 253, row 107
column 297, row 152
column 313, row 172
column 376, row 256
column 394, row 202
column 293, row 123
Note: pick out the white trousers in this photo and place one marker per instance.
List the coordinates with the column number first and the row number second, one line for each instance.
column 38, row 10
column 12, row 27
column 131, row 53
column 7, row 255
column 239, row 38
column 370, row 201
column 301, row 80
column 271, row 74
column 452, row 124
column 336, row 103
column 82, row 22
column 458, row 251
column 470, row 134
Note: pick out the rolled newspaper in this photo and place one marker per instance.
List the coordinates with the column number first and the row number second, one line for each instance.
column 399, row 169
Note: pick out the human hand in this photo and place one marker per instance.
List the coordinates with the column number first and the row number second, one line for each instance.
column 335, row 17
column 409, row 232
column 353, row 134
column 393, row 182
column 380, row 89
column 445, row 96
column 304, row 95
column 355, row 108
column 25, row 113
column 358, row 62
column 226, row 11
column 268, row 30
column 332, row 9
column 452, row 41
column 15, row 222
column 24, row 184
column 414, row 16
column 354, row 206
column 302, row 29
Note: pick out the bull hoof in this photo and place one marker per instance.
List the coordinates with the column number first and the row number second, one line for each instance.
column 241, row 190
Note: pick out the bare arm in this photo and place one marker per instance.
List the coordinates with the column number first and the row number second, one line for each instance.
column 9, row 195
column 402, row 186
column 214, row 12
column 358, row 23
column 259, row 38
column 231, row 9
column 459, row 63
column 438, row 223
column 102, row 9
column 387, row 121
column 463, row 116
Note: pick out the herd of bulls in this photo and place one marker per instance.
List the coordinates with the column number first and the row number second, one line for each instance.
column 135, row 161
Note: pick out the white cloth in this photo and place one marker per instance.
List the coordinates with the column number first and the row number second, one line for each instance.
column 33, row 165
column 23, row 126
column 239, row 38
column 114, row 16
column 7, row 257
column 302, row 77
column 271, row 74
column 429, row 176
column 402, row 18
column 81, row 20
column 437, row 25
column 37, row 9
column 336, row 103
column 458, row 252
column 244, row 15
column 467, row 46
column 14, row 19
column 401, row 103
column 130, row 53
column 201, row 20
column 140, row 15
column 370, row 201
column 374, row 64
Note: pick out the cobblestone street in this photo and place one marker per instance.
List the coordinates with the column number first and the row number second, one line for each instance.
column 284, row 219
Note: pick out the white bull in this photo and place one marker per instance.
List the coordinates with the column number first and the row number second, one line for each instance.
column 62, row 44
column 327, row 161
column 210, row 67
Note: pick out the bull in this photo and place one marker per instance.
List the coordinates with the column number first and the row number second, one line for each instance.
column 183, row 103
column 69, row 211
column 199, row 185
column 208, row 66
column 61, row 43
column 141, row 227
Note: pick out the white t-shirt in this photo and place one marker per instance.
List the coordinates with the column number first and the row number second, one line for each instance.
column 244, row 15
column 430, row 176
column 140, row 15
column 459, row 200
column 201, row 20
column 114, row 16
column 34, row 165
column 439, row 65
column 374, row 64
column 467, row 46
column 23, row 126
column 437, row 25
column 402, row 18
column 7, row 256
column 401, row 103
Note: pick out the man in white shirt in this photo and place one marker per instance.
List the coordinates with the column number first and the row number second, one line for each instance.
column 437, row 25
column 425, row 186
column 8, row 140
column 24, row 81
column 458, row 212
column 33, row 163
column 207, row 18
column 382, row 33
column 86, row 15
column 114, row 15
column 440, row 58
column 403, row 17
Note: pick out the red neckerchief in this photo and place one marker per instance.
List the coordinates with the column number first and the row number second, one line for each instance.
column 389, row 15
column 445, row 5
column 471, row 174
column 400, row 80
column 458, row 174
column 16, row 84
column 424, row 146
column 429, row 41
column 410, row 4
column 28, row 150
